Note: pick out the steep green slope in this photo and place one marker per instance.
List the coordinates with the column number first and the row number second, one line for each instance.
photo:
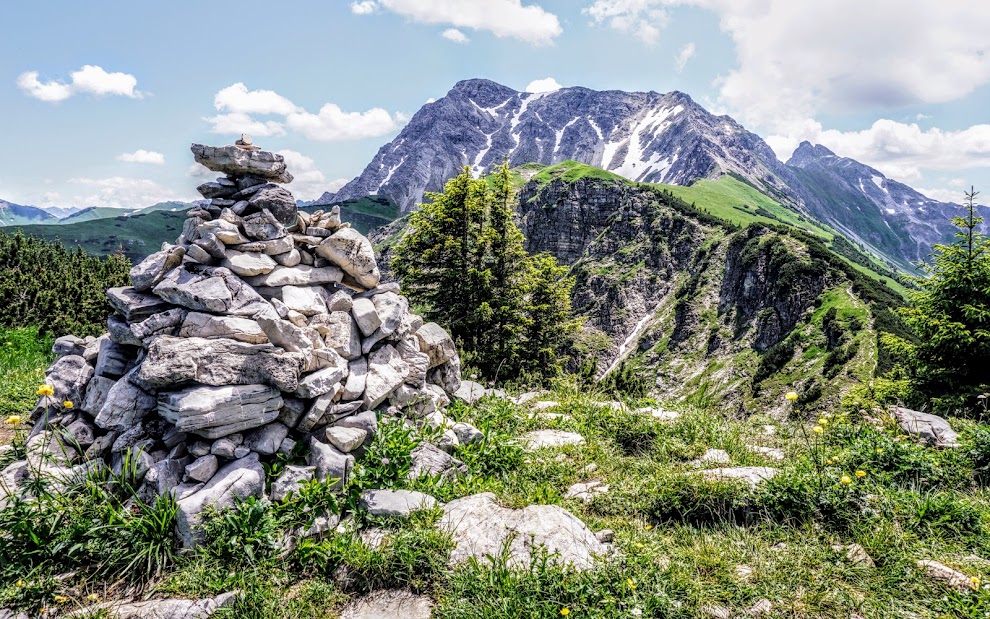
column 712, row 301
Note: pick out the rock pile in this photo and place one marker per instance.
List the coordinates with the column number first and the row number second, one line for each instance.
column 262, row 330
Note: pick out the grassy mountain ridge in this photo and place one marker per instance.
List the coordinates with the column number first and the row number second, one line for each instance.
column 719, row 298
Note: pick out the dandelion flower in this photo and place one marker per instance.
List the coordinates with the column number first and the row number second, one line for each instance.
column 631, row 583
column 818, row 429
column 791, row 396
column 565, row 611
column 68, row 404
column 975, row 582
column 14, row 420
column 822, row 421
column 649, row 526
column 61, row 599
column 19, row 583
column 860, row 474
column 46, row 390
column 879, row 450
column 846, row 480
column 829, row 461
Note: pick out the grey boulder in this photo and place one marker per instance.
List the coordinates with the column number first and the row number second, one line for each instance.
column 239, row 479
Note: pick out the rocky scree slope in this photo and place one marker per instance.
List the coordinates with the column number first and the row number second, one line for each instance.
column 716, row 311
column 261, row 331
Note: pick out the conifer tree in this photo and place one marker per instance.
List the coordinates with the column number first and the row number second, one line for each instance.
column 463, row 262
column 950, row 315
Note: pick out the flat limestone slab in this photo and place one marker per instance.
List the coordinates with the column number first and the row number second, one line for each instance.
column 389, row 604
column 549, row 439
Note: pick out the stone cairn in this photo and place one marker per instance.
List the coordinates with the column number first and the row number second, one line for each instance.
column 261, row 328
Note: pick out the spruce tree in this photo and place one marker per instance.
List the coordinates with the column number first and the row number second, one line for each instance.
column 950, row 315
column 463, row 263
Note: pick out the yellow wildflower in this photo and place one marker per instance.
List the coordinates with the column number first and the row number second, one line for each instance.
column 565, row 611
column 860, row 474
column 846, row 480
column 631, row 583
column 10, row 343
column 975, row 582
column 818, row 429
column 46, row 390
column 822, row 421
column 649, row 526
column 879, row 450
column 14, row 420
column 19, row 583
column 92, row 597
column 829, row 461
column 61, row 599
column 68, row 404
column 791, row 396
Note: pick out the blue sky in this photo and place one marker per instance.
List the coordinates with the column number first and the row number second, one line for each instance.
column 101, row 99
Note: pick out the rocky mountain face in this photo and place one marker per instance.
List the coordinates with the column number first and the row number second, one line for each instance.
column 646, row 137
column 715, row 311
column 860, row 201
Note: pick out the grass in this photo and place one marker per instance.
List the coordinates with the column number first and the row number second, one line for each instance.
column 682, row 544
column 23, row 358
column 734, row 201
column 570, row 171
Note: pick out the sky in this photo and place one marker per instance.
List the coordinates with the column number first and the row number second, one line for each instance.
column 100, row 100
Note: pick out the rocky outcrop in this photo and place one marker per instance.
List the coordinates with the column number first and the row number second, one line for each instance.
column 261, row 328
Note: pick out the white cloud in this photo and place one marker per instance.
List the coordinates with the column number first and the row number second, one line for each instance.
column 504, row 18
column 455, row 35
column 90, row 79
column 240, row 107
column 237, row 99
column 686, row 53
column 336, row 184
column 308, row 182
column 120, row 192
column 334, row 124
column 244, row 123
column 547, row 84
column 942, row 194
column 642, row 18
column 364, row 8
column 142, row 156
column 198, row 170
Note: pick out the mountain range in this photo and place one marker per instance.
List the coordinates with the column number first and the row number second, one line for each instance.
column 648, row 138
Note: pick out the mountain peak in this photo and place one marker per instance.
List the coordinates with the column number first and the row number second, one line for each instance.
column 481, row 90
column 807, row 152
column 643, row 136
